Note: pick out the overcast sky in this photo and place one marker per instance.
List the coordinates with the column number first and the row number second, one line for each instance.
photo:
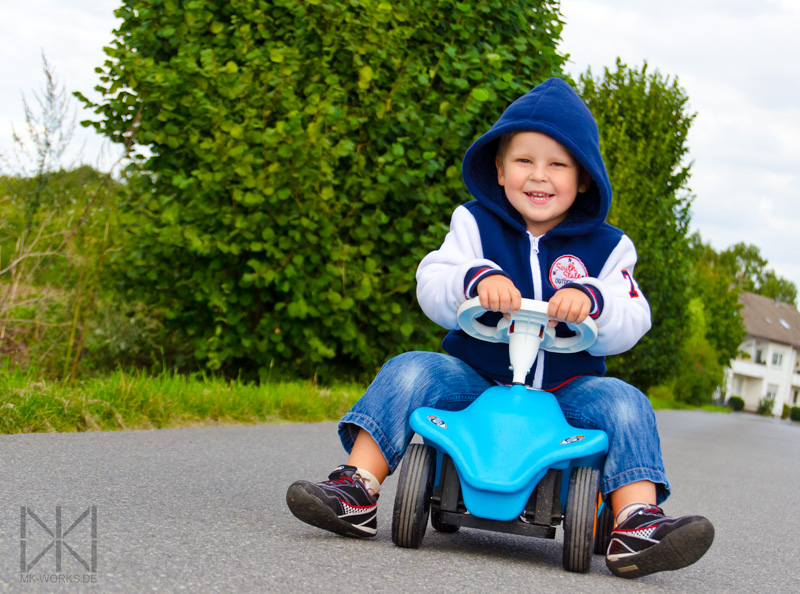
column 738, row 60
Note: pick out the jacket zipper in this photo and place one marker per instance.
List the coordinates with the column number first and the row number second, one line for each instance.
column 536, row 271
column 536, row 276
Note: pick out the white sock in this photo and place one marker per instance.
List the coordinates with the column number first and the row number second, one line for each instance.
column 629, row 510
column 369, row 481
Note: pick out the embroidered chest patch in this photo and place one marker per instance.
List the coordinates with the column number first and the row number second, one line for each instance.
column 566, row 269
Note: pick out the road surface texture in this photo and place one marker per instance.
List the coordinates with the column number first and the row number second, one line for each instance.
column 202, row 510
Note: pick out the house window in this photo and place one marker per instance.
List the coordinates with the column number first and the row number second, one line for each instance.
column 772, row 391
column 760, row 357
column 737, row 385
column 794, row 397
column 777, row 359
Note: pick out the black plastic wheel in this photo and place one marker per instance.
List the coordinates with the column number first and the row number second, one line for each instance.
column 412, row 502
column 579, row 519
column 440, row 526
column 605, row 524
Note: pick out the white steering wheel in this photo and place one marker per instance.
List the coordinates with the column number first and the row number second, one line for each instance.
column 526, row 333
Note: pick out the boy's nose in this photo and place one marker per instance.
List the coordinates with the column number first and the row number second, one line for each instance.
column 538, row 173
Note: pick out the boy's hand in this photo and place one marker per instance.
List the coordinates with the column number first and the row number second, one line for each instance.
column 568, row 305
column 498, row 293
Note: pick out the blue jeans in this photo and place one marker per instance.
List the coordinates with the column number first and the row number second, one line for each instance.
column 416, row 379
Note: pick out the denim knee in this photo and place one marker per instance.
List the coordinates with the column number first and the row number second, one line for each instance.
column 407, row 382
column 629, row 408
column 625, row 414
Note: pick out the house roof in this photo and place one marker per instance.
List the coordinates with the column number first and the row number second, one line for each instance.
column 771, row 320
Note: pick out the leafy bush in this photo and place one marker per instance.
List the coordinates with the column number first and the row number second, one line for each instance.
column 786, row 411
column 736, row 403
column 795, row 413
column 765, row 405
column 127, row 336
column 304, row 156
column 661, row 392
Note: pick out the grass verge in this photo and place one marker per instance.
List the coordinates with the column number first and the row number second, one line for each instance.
column 664, row 404
column 139, row 400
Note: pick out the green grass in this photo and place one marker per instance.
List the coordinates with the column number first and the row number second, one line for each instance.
column 665, row 404
column 139, row 400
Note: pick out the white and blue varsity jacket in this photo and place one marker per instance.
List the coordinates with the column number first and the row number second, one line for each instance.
column 487, row 236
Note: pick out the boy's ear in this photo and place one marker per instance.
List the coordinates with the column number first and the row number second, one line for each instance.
column 501, row 175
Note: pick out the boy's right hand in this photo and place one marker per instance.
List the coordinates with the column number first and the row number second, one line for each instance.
column 498, row 293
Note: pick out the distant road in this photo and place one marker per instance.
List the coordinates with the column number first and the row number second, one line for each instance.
column 202, row 510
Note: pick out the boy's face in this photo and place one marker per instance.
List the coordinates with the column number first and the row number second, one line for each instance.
column 541, row 180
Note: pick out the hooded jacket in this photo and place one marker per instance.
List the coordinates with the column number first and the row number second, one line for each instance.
column 488, row 236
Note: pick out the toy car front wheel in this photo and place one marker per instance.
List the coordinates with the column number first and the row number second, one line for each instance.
column 412, row 502
column 580, row 519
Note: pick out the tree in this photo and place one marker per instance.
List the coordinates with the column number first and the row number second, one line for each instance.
column 715, row 288
column 700, row 370
column 750, row 273
column 777, row 288
column 303, row 157
column 644, row 122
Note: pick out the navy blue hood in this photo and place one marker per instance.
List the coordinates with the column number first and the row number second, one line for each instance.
column 554, row 109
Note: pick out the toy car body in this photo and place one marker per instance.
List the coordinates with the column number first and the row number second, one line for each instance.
column 509, row 462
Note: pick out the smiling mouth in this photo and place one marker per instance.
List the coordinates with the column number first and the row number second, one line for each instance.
column 538, row 196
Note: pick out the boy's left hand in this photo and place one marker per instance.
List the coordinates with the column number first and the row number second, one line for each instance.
column 568, row 305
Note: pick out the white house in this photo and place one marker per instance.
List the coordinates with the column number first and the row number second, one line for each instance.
column 768, row 365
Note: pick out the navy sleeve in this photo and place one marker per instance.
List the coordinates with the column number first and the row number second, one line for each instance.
column 476, row 275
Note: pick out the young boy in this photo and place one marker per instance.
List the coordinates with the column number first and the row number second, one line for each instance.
column 536, row 229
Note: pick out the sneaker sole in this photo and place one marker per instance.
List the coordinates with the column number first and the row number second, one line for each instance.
column 679, row 549
column 307, row 507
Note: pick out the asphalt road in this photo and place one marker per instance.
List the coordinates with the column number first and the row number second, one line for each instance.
column 203, row 510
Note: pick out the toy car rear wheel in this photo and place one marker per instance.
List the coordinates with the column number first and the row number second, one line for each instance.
column 440, row 526
column 580, row 519
column 412, row 502
column 605, row 524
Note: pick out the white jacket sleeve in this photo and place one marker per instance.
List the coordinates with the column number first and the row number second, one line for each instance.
column 441, row 274
column 625, row 314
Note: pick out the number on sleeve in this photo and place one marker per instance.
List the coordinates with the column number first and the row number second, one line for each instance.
column 633, row 292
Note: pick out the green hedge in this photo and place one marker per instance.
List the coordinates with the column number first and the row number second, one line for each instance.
column 736, row 403
column 303, row 156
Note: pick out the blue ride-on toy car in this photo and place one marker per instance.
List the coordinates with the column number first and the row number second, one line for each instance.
column 509, row 462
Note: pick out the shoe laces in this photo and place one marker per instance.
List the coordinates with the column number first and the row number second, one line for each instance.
column 340, row 481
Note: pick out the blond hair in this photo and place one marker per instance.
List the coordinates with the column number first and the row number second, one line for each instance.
column 502, row 144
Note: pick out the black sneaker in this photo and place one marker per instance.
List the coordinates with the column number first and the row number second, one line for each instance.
column 648, row 541
column 342, row 504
